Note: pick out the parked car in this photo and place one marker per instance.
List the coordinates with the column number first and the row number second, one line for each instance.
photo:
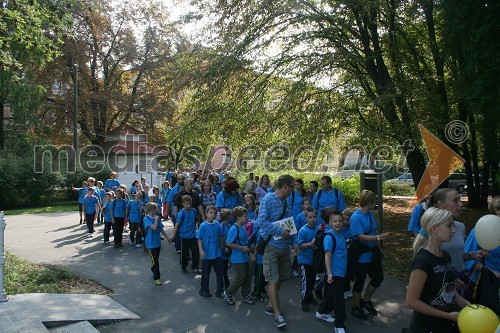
column 458, row 181
column 405, row 178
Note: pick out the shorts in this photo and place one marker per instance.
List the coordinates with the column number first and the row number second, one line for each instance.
column 276, row 264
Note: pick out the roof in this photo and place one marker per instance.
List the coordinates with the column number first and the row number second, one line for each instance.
column 124, row 129
column 130, row 148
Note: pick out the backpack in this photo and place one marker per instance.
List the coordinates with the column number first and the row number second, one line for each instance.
column 318, row 263
column 248, row 228
column 229, row 250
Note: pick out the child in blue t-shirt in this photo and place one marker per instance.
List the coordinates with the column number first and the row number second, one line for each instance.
column 91, row 208
column 165, row 191
column 106, row 211
column 82, row 192
column 209, row 245
column 118, row 210
column 305, row 240
column 240, row 259
column 251, row 206
column 100, row 196
column 299, row 222
column 260, row 280
column 346, row 232
column 134, row 215
column 186, row 227
column 152, row 240
column 225, row 216
column 336, row 267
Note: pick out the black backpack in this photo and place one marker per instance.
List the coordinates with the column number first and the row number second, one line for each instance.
column 229, row 250
column 318, row 263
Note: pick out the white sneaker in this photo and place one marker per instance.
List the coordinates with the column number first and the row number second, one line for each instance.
column 325, row 317
column 339, row 330
column 348, row 294
column 138, row 245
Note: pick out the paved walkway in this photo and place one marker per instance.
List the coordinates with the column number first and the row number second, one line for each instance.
column 175, row 306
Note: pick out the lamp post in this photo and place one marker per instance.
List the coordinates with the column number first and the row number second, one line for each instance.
column 75, row 107
column 3, row 295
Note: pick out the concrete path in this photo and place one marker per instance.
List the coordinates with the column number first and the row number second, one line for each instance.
column 175, row 306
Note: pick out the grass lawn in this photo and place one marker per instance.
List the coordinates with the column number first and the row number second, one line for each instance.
column 23, row 277
column 56, row 207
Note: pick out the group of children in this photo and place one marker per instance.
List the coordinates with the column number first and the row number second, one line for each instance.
column 220, row 244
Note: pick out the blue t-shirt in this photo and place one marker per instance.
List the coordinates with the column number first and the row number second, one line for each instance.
column 224, row 228
column 294, row 200
column 271, row 210
column 173, row 192
column 102, row 193
column 227, row 200
column 362, row 223
column 152, row 238
column 107, row 211
column 82, row 193
column 346, row 232
column 300, row 221
column 90, row 202
column 238, row 256
column 112, row 184
column 118, row 207
column 251, row 215
column 164, row 194
column 306, row 235
column 187, row 221
column 416, row 215
column 134, row 211
column 327, row 199
column 492, row 260
column 210, row 234
column 216, row 188
column 338, row 265
column 257, row 234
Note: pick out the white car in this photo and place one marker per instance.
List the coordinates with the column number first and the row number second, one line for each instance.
column 405, row 178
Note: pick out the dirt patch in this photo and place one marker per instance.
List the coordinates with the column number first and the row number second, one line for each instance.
column 398, row 250
column 82, row 286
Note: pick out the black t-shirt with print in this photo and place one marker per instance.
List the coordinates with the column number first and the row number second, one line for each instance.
column 439, row 290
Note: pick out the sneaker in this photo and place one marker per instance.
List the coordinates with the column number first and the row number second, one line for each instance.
column 368, row 306
column 295, row 273
column 228, row 297
column 348, row 293
column 280, row 321
column 248, row 300
column 217, row 294
column 178, row 252
column 91, row 235
column 269, row 311
column 183, row 271
column 205, row 293
column 138, row 245
column 339, row 330
column 158, row 282
column 358, row 312
column 325, row 316
column 304, row 306
column 106, row 242
column 196, row 271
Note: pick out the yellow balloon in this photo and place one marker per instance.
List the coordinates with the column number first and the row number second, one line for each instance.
column 477, row 318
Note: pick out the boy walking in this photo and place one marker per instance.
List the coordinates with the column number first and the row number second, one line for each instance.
column 154, row 228
column 336, row 267
column 306, row 238
column 209, row 244
column 185, row 226
column 240, row 256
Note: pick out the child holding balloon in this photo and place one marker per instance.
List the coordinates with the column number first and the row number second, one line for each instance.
column 432, row 293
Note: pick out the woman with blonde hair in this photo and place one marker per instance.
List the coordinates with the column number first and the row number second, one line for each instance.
column 432, row 292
